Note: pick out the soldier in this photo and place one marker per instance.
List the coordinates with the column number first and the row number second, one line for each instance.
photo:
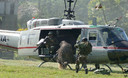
column 84, row 48
column 52, row 43
column 49, row 42
column 65, row 54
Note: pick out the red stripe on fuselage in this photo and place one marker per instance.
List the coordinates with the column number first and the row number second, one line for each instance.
column 26, row 47
column 109, row 48
column 30, row 47
column 8, row 46
column 19, row 47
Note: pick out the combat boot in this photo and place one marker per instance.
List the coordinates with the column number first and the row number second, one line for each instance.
column 86, row 71
column 77, row 68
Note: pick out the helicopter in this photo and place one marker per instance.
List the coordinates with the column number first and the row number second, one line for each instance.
column 110, row 43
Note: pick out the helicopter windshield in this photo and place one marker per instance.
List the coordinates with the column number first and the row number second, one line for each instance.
column 113, row 35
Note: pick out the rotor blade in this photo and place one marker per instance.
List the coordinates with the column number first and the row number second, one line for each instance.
column 65, row 4
column 74, row 5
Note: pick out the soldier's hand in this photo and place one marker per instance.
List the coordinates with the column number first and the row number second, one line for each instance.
column 76, row 45
column 77, row 42
column 34, row 50
column 46, row 37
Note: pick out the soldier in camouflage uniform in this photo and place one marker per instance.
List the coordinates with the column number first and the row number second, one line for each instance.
column 52, row 43
column 84, row 48
column 49, row 42
column 65, row 54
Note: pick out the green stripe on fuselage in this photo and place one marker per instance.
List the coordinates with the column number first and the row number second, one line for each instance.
column 94, row 26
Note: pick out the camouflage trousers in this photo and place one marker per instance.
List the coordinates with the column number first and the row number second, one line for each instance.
column 82, row 59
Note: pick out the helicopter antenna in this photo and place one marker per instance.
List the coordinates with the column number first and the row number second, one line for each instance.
column 69, row 13
column 116, row 21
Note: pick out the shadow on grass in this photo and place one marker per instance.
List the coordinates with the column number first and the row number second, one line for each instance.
column 118, row 72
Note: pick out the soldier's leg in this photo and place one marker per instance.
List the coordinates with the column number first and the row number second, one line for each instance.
column 77, row 68
column 84, row 65
column 51, row 49
column 97, row 66
column 77, row 65
column 85, row 68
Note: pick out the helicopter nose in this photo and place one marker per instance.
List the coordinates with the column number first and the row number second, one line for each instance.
column 122, row 44
column 119, row 54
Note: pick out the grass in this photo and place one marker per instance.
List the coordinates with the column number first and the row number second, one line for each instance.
column 29, row 69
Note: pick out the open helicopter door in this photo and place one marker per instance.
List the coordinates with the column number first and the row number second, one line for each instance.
column 27, row 43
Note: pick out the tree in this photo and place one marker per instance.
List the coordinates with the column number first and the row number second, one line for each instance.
column 26, row 11
column 113, row 9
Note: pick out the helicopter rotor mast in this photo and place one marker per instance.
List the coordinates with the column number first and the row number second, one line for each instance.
column 69, row 13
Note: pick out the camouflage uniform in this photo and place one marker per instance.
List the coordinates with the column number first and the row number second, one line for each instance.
column 51, row 43
column 65, row 54
column 84, row 48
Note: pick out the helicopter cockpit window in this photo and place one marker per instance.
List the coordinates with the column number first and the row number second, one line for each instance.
column 112, row 35
column 43, row 23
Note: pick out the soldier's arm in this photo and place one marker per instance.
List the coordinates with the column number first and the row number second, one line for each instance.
column 76, row 45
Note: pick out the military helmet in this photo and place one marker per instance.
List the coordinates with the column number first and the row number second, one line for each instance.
column 50, row 33
column 84, row 39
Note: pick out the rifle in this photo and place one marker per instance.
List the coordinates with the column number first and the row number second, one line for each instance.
column 42, row 44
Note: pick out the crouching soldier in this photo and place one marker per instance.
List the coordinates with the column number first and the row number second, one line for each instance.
column 50, row 42
column 84, row 48
column 65, row 55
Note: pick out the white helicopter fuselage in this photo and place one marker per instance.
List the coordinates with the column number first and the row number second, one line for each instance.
column 9, row 39
column 25, row 41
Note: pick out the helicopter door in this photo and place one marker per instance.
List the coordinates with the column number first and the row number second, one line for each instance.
column 27, row 43
column 99, row 53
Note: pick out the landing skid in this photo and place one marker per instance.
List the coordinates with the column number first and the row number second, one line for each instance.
column 45, row 62
column 97, row 66
column 52, row 58
column 108, row 67
column 41, row 63
column 123, row 70
column 45, row 56
column 70, row 67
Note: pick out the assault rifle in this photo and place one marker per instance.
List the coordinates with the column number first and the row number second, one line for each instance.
column 42, row 43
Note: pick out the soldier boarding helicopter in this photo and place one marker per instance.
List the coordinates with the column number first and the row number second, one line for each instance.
column 110, row 44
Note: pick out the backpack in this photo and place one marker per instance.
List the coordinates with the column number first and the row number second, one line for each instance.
column 85, row 48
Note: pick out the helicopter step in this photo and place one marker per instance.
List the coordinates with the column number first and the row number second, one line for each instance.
column 46, row 56
column 43, row 57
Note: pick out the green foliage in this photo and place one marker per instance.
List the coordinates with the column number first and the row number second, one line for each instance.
column 117, row 1
column 113, row 9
